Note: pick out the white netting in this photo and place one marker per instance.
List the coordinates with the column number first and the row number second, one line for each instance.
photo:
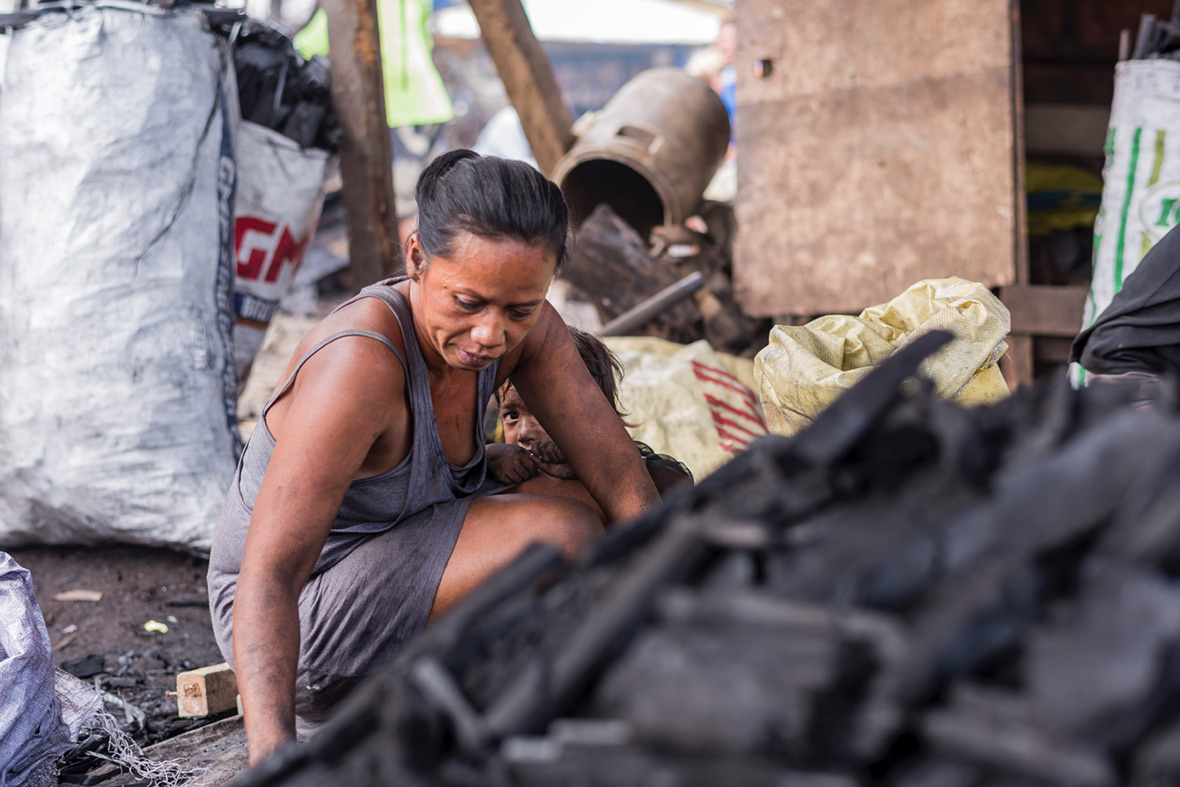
column 123, row 751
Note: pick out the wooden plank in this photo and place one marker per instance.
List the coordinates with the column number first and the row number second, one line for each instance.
column 1017, row 363
column 366, row 159
column 524, row 68
column 217, row 751
column 1022, row 272
column 1052, row 349
column 611, row 265
column 1043, row 310
column 875, row 150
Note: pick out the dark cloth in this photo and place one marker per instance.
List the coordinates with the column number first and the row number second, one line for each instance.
column 1142, row 389
column 662, row 465
column 1140, row 330
column 374, row 583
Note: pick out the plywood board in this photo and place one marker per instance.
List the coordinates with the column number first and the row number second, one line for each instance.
column 876, row 148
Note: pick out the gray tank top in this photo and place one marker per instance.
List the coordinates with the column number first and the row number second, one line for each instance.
column 371, row 505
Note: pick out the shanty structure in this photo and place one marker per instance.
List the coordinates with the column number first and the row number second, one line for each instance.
column 883, row 143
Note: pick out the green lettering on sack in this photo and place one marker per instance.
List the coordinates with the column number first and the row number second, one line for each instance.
column 1169, row 213
column 1124, row 214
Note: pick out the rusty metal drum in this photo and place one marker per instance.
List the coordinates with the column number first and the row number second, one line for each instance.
column 650, row 152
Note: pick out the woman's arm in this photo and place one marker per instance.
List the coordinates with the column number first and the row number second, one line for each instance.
column 554, row 382
column 325, row 427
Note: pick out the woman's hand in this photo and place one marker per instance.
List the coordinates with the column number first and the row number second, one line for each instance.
column 343, row 417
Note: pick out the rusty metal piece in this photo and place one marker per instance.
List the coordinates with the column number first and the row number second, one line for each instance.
column 644, row 312
column 650, row 152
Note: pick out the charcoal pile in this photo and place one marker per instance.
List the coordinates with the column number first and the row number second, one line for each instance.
column 908, row 593
column 280, row 90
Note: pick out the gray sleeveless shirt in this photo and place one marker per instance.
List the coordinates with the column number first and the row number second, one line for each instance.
column 422, row 484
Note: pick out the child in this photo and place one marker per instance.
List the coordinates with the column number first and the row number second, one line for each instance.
column 528, row 457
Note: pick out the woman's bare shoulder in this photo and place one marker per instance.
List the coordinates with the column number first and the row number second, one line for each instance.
column 370, row 315
column 347, row 369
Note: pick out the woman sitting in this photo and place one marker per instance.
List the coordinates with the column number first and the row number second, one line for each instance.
column 360, row 507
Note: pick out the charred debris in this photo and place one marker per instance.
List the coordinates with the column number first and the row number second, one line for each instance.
column 908, row 593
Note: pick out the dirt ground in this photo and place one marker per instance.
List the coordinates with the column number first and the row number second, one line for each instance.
column 105, row 643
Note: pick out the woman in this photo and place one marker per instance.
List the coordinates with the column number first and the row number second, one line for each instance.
column 360, row 508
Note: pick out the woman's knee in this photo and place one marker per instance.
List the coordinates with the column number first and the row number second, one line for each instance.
column 570, row 525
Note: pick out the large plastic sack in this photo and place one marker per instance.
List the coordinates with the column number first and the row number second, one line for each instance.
column 44, row 711
column 805, row 368
column 117, row 412
column 1140, row 180
column 280, row 196
column 32, row 732
column 688, row 400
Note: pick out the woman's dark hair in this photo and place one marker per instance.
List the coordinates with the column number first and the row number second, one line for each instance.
column 494, row 198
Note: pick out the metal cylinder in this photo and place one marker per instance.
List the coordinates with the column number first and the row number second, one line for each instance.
column 650, row 152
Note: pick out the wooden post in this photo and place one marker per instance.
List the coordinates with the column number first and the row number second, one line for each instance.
column 1019, row 366
column 206, row 691
column 524, row 68
column 366, row 160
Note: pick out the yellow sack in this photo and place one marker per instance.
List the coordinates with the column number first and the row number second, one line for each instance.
column 806, row 368
column 688, row 400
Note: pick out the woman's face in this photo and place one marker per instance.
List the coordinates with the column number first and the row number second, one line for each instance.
column 476, row 305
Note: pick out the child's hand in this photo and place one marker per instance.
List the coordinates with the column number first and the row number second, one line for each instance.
column 550, row 460
column 510, row 464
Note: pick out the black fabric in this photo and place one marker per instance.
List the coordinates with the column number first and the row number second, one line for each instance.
column 1140, row 330
column 670, row 463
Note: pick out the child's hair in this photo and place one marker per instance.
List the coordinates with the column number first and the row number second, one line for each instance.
column 603, row 365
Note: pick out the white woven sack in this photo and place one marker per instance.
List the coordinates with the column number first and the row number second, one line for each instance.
column 280, row 196
column 117, row 417
column 688, row 400
column 1140, row 180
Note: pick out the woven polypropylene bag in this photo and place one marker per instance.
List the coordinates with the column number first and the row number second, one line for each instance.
column 117, row 413
column 805, row 368
column 688, row 401
column 1140, row 179
column 280, row 195
column 32, row 732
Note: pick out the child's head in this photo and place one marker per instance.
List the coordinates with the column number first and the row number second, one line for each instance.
column 603, row 365
column 521, row 426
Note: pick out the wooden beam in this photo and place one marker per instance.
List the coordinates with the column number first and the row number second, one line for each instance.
column 206, row 691
column 1052, row 349
column 1041, row 310
column 1017, row 363
column 1019, row 200
column 524, row 68
column 366, row 160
